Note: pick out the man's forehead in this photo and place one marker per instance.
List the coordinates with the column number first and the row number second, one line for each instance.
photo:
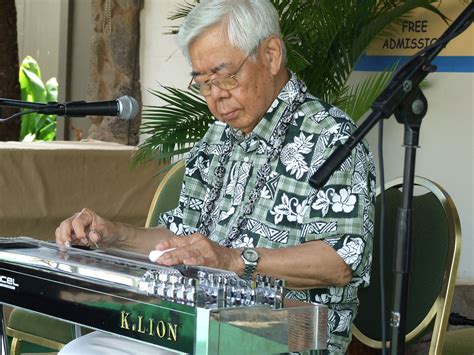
column 214, row 69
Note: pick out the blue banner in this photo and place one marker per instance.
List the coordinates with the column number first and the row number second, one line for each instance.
column 447, row 64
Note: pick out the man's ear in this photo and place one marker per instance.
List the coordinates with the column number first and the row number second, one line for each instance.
column 273, row 52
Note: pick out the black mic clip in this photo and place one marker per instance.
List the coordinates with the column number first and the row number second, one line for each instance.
column 56, row 108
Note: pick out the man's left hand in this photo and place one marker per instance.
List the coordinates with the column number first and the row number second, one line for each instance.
column 196, row 249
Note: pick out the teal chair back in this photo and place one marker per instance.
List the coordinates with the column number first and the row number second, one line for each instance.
column 436, row 245
column 167, row 193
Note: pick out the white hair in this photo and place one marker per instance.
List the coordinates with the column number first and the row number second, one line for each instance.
column 246, row 22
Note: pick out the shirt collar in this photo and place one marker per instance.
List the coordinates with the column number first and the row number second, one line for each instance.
column 265, row 128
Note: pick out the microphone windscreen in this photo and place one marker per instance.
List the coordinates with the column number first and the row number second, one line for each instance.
column 128, row 107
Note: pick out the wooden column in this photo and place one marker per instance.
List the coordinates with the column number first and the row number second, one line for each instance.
column 9, row 85
column 115, row 60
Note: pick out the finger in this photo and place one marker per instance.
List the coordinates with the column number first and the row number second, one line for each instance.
column 195, row 260
column 175, row 256
column 64, row 233
column 60, row 239
column 156, row 254
column 183, row 241
column 90, row 216
column 95, row 237
column 169, row 259
column 174, row 242
column 80, row 223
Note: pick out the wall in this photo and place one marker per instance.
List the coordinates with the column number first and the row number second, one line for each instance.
column 161, row 61
column 39, row 33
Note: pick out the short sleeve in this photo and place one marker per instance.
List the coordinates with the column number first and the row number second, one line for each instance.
column 342, row 211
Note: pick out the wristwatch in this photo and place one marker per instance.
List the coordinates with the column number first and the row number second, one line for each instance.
column 250, row 257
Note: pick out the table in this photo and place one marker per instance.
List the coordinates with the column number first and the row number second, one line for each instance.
column 42, row 183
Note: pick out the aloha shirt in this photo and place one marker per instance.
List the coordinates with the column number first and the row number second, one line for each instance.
column 289, row 211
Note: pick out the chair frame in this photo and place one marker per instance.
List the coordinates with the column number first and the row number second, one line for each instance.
column 18, row 337
column 441, row 307
column 159, row 190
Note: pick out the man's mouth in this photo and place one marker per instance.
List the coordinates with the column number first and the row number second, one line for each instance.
column 229, row 115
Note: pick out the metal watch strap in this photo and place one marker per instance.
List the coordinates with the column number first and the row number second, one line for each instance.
column 248, row 271
column 250, row 266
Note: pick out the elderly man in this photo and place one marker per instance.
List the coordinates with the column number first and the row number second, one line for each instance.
column 246, row 205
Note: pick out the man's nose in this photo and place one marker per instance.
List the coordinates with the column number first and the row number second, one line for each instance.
column 217, row 93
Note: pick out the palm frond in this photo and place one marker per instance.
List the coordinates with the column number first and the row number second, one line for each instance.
column 173, row 127
column 363, row 94
column 335, row 35
column 180, row 12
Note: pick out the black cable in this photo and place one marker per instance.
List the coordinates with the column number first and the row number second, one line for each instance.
column 457, row 319
column 2, row 120
column 383, row 316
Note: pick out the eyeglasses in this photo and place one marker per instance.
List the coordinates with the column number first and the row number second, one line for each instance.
column 228, row 82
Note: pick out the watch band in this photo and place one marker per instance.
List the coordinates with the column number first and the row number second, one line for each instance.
column 250, row 257
column 248, row 271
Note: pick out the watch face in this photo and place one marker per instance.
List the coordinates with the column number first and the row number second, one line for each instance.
column 251, row 255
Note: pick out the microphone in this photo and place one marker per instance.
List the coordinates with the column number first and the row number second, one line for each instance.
column 125, row 108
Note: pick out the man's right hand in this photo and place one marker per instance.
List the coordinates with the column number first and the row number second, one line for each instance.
column 85, row 228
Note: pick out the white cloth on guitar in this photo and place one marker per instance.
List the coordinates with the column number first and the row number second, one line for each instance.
column 99, row 343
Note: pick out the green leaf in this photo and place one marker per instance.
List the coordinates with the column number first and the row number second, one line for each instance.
column 52, row 88
column 174, row 126
column 36, row 126
column 32, row 88
column 363, row 94
column 29, row 63
column 28, row 125
column 48, row 130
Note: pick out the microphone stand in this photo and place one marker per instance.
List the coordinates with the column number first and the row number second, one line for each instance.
column 32, row 106
column 21, row 104
column 403, row 98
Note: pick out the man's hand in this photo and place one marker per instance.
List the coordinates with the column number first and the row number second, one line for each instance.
column 84, row 228
column 196, row 249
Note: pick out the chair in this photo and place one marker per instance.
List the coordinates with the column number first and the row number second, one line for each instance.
column 34, row 328
column 167, row 194
column 459, row 342
column 29, row 327
column 436, row 248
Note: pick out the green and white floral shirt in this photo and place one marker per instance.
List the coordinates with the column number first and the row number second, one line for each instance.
column 287, row 210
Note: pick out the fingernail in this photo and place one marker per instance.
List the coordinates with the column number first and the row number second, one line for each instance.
column 67, row 244
column 95, row 244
